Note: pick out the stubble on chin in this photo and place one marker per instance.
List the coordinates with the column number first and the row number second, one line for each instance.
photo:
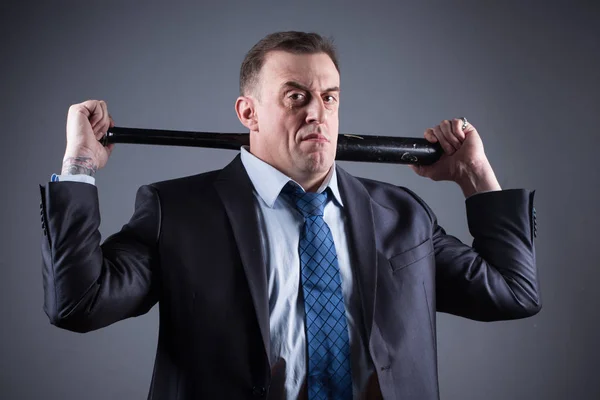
column 317, row 162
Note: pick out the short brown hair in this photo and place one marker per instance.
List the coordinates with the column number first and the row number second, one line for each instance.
column 292, row 42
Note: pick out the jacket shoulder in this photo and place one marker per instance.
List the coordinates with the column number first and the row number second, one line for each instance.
column 186, row 182
column 393, row 196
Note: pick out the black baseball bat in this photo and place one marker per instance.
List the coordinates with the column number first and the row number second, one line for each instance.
column 350, row 147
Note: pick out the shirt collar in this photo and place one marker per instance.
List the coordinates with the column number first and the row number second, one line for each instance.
column 268, row 180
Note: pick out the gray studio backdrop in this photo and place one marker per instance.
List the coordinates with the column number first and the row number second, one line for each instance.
column 524, row 73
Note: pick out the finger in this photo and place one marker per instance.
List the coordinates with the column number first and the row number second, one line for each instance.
column 112, row 122
column 446, row 128
column 105, row 118
column 448, row 148
column 94, row 111
column 456, row 125
column 97, row 115
column 468, row 129
column 430, row 136
column 103, row 124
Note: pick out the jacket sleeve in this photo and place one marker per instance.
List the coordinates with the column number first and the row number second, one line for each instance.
column 495, row 278
column 88, row 285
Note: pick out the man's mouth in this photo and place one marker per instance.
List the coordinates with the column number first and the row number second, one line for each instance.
column 316, row 137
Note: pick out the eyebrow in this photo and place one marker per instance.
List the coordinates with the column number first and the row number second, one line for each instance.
column 300, row 86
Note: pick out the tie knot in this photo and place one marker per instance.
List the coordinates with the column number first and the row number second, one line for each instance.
column 307, row 203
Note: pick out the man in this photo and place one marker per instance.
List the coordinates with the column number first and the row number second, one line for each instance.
column 260, row 297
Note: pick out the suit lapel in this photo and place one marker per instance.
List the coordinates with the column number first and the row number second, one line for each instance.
column 235, row 189
column 362, row 242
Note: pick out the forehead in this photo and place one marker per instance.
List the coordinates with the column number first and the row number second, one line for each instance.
column 312, row 70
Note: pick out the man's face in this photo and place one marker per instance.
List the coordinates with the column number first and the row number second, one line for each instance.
column 297, row 113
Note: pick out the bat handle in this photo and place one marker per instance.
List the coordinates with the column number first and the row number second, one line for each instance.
column 104, row 139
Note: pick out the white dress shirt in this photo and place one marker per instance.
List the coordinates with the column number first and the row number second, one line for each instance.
column 280, row 225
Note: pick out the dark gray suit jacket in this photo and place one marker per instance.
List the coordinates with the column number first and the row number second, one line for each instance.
column 193, row 245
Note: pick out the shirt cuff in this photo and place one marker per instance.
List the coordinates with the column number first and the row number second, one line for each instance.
column 73, row 178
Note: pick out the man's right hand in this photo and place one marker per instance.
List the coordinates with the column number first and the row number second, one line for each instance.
column 87, row 123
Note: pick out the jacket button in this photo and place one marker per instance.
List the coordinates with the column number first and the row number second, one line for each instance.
column 259, row 391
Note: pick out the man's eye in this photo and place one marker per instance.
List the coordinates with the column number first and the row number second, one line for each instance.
column 329, row 99
column 296, row 96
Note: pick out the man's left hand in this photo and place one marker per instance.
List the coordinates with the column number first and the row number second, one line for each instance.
column 464, row 160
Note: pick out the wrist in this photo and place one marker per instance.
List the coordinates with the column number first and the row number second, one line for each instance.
column 78, row 164
column 477, row 176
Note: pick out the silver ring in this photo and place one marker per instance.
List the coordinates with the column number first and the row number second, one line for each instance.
column 465, row 122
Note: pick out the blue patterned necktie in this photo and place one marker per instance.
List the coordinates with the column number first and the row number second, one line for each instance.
column 329, row 371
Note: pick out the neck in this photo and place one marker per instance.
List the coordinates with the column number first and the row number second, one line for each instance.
column 311, row 182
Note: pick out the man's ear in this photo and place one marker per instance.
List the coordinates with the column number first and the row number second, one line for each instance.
column 246, row 112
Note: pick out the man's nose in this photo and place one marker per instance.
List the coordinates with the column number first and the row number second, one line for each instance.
column 316, row 111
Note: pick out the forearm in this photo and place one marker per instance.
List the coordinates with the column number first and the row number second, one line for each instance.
column 477, row 177
column 88, row 286
column 72, row 259
column 496, row 278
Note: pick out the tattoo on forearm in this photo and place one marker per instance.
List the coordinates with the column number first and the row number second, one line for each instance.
column 79, row 165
